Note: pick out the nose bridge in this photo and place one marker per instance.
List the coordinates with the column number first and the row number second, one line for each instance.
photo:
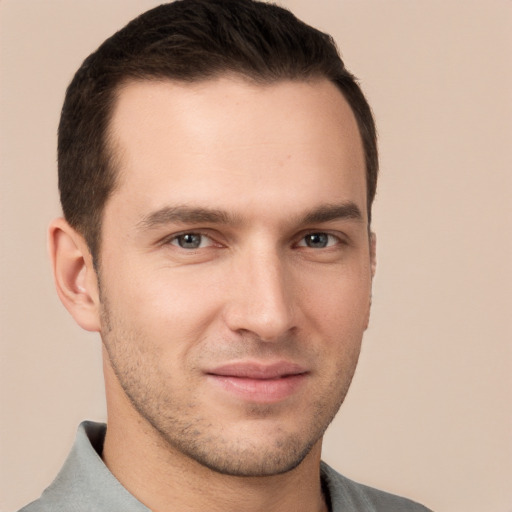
column 263, row 302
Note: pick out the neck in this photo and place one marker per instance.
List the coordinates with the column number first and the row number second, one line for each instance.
column 165, row 480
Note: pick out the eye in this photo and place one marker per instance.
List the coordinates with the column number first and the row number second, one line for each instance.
column 318, row 240
column 191, row 241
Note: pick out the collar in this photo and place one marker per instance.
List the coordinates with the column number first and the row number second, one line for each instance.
column 85, row 483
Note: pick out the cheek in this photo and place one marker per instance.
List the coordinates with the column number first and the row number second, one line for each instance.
column 338, row 302
column 163, row 304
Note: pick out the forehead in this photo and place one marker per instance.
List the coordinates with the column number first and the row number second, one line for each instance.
column 230, row 141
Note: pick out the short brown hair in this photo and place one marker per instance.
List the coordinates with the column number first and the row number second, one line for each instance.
column 188, row 40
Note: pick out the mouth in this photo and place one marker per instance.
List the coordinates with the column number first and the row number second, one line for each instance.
column 259, row 383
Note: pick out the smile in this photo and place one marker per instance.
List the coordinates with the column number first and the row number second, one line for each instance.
column 259, row 383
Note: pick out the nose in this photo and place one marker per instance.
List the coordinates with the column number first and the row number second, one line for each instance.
column 262, row 298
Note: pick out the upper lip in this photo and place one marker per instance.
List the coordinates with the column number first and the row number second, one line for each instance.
column 254, row 370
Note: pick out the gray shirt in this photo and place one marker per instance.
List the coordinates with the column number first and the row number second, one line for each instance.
column 85, row 484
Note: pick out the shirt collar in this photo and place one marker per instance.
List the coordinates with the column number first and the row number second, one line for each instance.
column 85, row 483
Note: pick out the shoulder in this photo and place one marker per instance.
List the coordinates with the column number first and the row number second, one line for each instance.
column 85, row 484
column 347, row 495
column 38, row 506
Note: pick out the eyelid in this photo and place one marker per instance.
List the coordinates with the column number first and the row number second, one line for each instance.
column 169, row 239
column 339, row 237
column 205, row 241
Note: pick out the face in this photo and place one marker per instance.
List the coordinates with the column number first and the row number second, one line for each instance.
column 236, row 267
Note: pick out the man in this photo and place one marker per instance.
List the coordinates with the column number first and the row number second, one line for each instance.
column 217, row 167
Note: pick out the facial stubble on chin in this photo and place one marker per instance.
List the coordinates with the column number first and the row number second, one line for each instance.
column 194, row 436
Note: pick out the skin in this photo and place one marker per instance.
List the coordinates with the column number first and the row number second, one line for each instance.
column 237, row 236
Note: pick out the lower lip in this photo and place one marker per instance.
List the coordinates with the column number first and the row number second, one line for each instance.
column 260, row 390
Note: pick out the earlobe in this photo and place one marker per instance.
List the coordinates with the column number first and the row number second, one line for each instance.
column 74, row 274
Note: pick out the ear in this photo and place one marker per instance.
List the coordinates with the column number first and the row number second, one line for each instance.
column 75, row 278
column 373, row 253
column 373, row 266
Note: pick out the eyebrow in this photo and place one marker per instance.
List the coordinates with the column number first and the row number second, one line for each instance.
column 197, row 215
column 330, row 212
column 187, row 215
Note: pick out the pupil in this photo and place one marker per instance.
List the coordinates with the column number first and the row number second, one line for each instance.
column 190, row 241
column 317, row 240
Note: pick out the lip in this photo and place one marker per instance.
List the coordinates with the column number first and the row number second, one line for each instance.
column 259, row 383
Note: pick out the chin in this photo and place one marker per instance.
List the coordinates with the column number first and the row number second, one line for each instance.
column 261, row 453
column 251, row 464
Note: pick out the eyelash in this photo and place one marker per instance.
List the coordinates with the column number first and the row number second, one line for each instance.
column 174, row 239
column 329, row 237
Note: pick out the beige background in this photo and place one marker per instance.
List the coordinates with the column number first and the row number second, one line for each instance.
column 430, row 411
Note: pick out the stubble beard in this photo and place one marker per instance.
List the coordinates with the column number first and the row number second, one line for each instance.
column 182, row 431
